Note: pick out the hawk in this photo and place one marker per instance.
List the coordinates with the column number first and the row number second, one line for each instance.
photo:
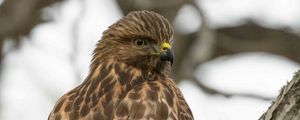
column 128, row 77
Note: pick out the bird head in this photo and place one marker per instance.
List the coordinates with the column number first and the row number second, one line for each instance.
column 141, row 39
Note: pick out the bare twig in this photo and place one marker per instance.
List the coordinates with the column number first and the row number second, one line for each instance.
column 253, row 38
column 1, row 54
column 17, row 18
column 75, row 42
column 212, row 91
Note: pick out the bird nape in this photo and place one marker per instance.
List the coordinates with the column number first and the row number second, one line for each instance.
column 128, row 78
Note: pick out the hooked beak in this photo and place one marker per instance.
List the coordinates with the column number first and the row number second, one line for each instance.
column 164, row 52
column 167, row 55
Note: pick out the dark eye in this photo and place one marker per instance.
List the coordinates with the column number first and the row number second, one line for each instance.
column 140, row 42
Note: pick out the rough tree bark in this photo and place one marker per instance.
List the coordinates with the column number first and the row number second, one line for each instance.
column 287, row 104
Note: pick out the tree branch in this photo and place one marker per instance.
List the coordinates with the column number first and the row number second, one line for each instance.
column 18, row 17
column 287, row 104
column 75, row 41
column 253, row 38
column 211, row 91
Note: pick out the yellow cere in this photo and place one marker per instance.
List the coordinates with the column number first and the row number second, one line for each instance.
column 166, row 45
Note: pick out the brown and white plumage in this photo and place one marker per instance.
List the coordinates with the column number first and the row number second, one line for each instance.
column 128, row 79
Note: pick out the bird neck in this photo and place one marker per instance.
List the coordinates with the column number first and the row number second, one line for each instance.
column 108, row 76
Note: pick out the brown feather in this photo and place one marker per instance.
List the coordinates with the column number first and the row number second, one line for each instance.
column 123, row 82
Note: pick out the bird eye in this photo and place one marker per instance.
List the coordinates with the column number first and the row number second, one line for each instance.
column 139, row 42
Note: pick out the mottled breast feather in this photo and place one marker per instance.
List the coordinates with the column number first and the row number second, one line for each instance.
column 122, row 84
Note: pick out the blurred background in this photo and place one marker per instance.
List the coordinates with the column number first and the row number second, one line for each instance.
column 232, row 56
